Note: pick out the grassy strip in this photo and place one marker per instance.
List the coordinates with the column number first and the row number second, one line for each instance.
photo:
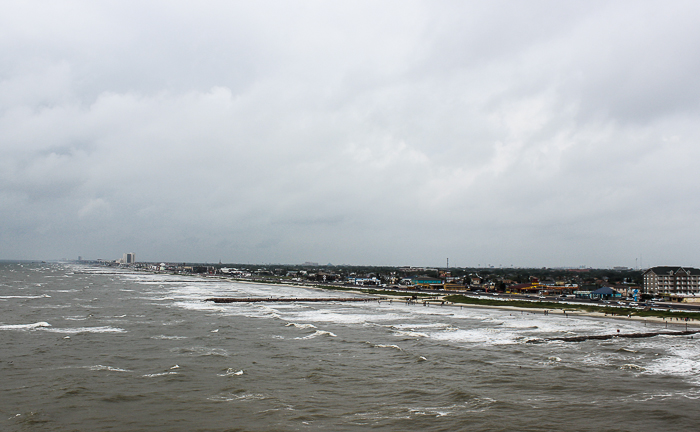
column 587, row 308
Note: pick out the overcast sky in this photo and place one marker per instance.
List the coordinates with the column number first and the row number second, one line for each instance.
column 524, row 133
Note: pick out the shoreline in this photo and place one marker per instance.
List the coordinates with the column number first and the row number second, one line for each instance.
column 435, row 299
column 672, row 324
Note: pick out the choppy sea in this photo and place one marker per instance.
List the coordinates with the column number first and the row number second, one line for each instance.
column 89, row 348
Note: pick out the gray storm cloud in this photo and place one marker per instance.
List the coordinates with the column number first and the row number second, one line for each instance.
column 503, row 133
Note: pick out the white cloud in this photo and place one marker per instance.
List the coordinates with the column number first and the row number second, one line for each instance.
column 396, row 132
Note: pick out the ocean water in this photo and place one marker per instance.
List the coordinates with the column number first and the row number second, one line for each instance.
column 88, row 348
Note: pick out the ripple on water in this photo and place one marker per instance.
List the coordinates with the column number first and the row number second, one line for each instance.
column 237, row 397
column 202, row 351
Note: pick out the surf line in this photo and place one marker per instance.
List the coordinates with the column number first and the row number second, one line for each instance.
column 615, row 335
column 287, row 299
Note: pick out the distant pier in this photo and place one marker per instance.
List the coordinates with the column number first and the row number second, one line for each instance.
column 288, row 299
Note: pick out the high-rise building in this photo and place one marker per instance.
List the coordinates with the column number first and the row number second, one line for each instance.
column 129, row 258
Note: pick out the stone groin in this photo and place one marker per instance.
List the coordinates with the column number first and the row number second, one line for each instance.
column 616, row 335
column 287, row 299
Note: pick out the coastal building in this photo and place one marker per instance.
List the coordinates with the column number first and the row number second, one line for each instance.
column 524, row 288
column 364, row 281
column 672, row 281
column 427, row 282
column 605, row 293
column 630, row 291
column 583, row 294
column 454, row 286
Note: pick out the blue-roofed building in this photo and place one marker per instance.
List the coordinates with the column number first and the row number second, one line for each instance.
column 605, row 293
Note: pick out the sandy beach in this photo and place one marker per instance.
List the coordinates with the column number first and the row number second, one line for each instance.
column 671, row 324
column 438, row 300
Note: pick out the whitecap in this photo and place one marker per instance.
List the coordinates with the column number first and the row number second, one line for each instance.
column 25, row 326
column 421, row 326
column 330, row 316
column 160, row 374
column 316, row 334
column 231, row 372
column 411, row 334
column 102, row 329
column 679, row 361
column 301, row 326
column 484, row 336
column 106, row 368
column 396, row 347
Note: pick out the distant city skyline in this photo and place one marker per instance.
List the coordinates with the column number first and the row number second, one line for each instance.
column 130, row 258
column 526, row 134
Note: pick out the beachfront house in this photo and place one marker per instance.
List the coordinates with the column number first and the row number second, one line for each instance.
column 364, row 281
column 523, row 288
